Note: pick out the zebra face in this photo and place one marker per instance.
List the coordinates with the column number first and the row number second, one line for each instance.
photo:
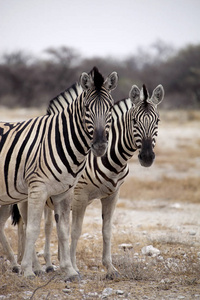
column 98, row 105
column 145, row 132
column 98, row 117
column 145, row 122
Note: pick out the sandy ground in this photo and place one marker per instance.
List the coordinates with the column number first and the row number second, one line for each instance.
column 169, row 224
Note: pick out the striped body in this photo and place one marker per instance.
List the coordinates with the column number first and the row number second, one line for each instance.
column 33, row 161
column 42, row 150
column 44, row 157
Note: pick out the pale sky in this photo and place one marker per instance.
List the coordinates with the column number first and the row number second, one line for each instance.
column 97, row 27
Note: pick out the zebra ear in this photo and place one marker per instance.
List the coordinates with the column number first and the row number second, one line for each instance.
column 134, row 94
column 86, row 81
column 111, row 81
column 157, row 95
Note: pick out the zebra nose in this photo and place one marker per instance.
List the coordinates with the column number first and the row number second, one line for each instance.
column 100, row 142
column 146, row 155
column 99, row 149
column 146, row 159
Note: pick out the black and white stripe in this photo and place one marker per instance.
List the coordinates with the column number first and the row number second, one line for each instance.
column 44, row 157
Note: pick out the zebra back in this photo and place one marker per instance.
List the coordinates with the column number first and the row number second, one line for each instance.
column 64, row 99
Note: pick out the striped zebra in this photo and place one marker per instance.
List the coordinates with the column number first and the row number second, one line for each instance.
column 134, row 127
column 44, row 157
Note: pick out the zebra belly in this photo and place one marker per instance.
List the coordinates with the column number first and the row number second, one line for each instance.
column 11, row 191
column 98, row 189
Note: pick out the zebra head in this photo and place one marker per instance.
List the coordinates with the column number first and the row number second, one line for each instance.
column 145, row 121
column 97, row 105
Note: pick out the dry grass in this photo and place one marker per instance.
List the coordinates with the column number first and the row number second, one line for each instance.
column 172, row 189
column 180, row 116
column 178, row 265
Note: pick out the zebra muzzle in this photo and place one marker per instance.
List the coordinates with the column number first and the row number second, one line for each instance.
column 100, row 142
column 146, row 156
column 99, row 149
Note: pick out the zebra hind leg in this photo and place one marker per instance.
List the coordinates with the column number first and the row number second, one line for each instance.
column 48, row 217
column 5, row 212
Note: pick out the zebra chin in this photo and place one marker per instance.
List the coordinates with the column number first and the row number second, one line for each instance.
column 99, row 149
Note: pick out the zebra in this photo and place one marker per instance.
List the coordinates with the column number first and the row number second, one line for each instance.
column 134, row 127
column 44, row 157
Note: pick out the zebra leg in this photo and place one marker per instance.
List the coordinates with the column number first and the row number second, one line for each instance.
column 36, row 202
column 22, row 229
column 21, row 240
column 108, row 207
column 62, row 206
column 23, row 207
column 5, row 212
column 48, row 213
column 78, row 212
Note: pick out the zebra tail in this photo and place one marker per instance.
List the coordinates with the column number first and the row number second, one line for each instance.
column 15, row 215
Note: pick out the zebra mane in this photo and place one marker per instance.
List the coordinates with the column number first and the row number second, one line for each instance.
column 119, row 100
column 64, row 99
column 146, row 96
column 97, row 78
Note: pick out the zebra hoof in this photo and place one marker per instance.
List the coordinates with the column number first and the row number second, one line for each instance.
column 39, row 272
column 15, row 269
column 50, row 269
column 112, row 276
column 74, row 278
column 30, row 277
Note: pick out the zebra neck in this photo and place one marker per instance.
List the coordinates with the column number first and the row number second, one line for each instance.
column 129, row 134
column 121, row 139
column 74, row 127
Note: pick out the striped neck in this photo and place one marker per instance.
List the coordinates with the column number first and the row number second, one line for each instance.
column 121, row 145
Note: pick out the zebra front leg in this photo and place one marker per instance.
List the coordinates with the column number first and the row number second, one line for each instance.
column 23, row 208
column 5, row 212
column 62, row 207
column 36, row 201
column 48, row 213
column 108, row 207
column 78, row 212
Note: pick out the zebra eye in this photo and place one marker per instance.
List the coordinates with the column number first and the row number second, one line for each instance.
column 134, row 121
column 86, row 107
